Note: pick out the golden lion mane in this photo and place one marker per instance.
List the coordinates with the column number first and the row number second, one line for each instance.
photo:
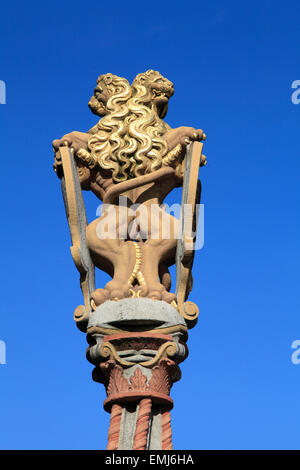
column 129, row 139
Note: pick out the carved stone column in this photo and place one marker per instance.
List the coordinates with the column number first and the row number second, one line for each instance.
column 136, row 345
column 136, row 326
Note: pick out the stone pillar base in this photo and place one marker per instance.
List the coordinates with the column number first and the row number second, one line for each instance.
column 136, row 345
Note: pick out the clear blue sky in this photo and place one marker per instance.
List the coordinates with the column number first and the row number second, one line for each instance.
column 232, row 64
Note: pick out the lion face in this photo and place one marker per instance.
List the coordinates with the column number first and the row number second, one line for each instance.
column 160, row 90
column 104, row 90
column 97, row 103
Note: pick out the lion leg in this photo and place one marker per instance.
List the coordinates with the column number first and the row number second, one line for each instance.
column 111, row 254
column 164, row 276
column 119, row 287
column 151, row 271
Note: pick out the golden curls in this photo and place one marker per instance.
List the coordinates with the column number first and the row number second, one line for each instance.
column 128, row 140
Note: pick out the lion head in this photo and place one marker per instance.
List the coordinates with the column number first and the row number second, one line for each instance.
column 155, row 90
column 108, row 86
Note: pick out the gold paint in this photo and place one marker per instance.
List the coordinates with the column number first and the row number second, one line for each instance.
column 132, row 111
column 140, row 279
column 173, row 155
column 135, row 294
column 136, row 273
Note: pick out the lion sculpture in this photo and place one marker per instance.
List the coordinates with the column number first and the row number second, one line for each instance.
column 131, row 155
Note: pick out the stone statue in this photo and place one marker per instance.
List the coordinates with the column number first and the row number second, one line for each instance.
column 131, row 160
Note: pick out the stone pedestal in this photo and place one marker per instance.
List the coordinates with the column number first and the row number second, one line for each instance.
column 136, row 345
